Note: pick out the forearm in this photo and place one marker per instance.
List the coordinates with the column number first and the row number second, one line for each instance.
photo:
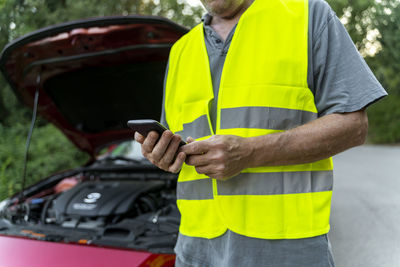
column 311, row 142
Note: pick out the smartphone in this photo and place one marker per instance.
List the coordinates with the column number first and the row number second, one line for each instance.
column 145, row 126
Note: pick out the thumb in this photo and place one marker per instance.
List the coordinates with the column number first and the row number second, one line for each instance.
column 190, row 140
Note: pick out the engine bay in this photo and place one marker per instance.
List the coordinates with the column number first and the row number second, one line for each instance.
column 100, row 208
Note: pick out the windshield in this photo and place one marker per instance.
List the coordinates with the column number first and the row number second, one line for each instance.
column 128, row 149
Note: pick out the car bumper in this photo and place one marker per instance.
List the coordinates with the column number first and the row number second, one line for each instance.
column 22, row 252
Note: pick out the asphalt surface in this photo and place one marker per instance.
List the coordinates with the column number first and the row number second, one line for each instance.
column 365, row 219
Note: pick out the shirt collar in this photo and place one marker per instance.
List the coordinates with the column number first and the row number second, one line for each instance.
column 206, row 19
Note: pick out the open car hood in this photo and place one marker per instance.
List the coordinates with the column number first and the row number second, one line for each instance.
column 93, row 75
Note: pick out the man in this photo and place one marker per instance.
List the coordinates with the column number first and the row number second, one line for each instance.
column 256, row 186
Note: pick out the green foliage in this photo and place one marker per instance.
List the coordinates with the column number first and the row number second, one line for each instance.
column 386, row 62
column 29, row 15
column 356, row 15
column 18, row 17
column 374, row 27
column 384, row 118
column 50, row 151
column 47, row 141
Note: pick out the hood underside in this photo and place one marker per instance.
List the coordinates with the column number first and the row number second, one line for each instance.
column 93, row 75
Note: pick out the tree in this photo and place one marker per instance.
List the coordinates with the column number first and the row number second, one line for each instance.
column 18, row 17
column 374, row 27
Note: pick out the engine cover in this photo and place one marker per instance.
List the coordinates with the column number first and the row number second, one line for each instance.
column 105, row 198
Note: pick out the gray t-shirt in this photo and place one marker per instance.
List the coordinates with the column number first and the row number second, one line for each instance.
column 341, row 82
column 337, row 74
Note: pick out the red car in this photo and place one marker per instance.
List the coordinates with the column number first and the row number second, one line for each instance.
column 91, row 77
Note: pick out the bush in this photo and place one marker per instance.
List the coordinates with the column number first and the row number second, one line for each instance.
column 50, row 151
column 384, row 120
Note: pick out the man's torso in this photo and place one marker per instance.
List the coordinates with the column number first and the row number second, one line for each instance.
column 231, row 245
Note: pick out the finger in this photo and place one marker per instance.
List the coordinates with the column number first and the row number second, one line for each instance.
column 215, row 175
column 210, row 171
column 205, row 169
column 198, row 160
column 139, row 138
column 170, row 153
column 150, row 141
column 181, row 142
column 162, row 145
column 222, row 178
column 190, row 140
column 177, row 165
column 196, row 148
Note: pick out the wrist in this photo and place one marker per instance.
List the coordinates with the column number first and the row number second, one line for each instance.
column 249, row 147
column 262, row 150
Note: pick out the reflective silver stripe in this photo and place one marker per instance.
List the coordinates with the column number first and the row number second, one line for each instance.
column 264, row 118
column 196, row 189
column 276, row 183
column 196, row 129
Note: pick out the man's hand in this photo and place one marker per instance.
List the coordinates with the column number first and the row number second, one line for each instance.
column 220, row 156
column 223, row 156
column 162, row 153
column 316, row 140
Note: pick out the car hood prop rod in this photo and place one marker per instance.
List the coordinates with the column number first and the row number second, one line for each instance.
column 28, row 140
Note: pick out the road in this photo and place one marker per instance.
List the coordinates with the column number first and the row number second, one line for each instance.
column 365, row 221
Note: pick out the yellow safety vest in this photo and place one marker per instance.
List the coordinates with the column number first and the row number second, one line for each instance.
column 263, row 90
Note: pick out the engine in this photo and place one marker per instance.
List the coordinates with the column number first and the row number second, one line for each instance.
column 126, row 213
column 107, row 201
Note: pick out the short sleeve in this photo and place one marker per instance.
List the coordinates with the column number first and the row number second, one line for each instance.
column 342, row 81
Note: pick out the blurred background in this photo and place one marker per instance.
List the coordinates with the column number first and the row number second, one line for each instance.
column 19, row 17
column 365, row 202
column 373, row 25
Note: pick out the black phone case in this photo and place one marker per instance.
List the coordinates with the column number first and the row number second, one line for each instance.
column 145, row 126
